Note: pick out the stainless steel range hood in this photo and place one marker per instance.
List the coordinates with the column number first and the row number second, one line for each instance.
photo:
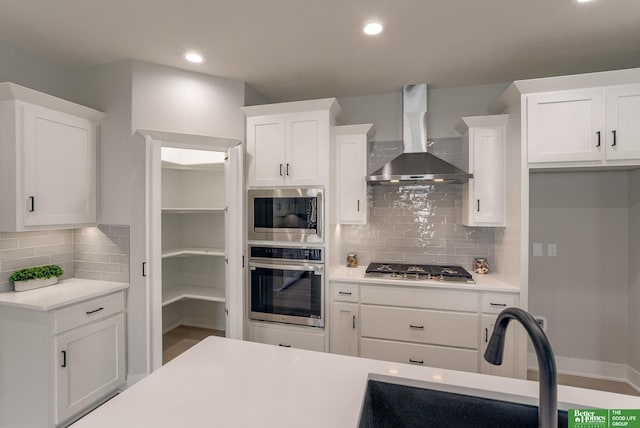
column 415, row 164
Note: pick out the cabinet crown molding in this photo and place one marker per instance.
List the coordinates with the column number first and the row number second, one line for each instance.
column 10, row 91
column 330, row 104
column 480, row 121
column 560, row 83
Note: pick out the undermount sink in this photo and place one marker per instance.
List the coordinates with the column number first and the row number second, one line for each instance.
column 394, row 402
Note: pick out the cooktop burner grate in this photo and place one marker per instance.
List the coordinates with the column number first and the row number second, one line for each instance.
column 414, row 271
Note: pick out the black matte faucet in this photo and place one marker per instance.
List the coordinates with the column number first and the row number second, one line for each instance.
column 548, row 400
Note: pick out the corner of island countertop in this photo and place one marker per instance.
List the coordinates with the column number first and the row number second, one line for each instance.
column 65, row 292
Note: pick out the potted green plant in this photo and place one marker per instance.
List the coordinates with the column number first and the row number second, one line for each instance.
column 35, row 277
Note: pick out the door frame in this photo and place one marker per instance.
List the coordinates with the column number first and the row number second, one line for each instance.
column 234, row 231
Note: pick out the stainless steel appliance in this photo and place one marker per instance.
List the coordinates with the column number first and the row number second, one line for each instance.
column 451, row 273
column 287, row 215
column 286, row 284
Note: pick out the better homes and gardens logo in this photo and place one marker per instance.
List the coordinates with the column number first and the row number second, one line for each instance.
column 602, row 418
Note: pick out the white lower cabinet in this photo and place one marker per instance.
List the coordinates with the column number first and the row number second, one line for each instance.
column 492, row 304
column 309, row 338
column 90, row 364
column 344, row 328
column 508, row 366
column 57, row 364
column 420, row 325
column 420, row 354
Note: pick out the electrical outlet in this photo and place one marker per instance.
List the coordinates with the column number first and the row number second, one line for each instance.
column 537, row 249
column 542, row 322
column 552, row 250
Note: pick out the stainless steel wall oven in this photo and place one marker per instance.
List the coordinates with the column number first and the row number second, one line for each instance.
column 286, row 284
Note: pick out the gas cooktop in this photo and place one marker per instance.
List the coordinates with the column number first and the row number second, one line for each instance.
column 413, row 271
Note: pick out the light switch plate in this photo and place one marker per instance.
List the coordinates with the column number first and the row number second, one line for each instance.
column 552, row 250
column 537, row 249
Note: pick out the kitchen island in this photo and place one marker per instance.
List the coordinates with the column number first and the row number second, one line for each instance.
column 230, row 383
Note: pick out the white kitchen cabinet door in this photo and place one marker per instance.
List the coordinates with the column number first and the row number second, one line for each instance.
column 489, row 159
column 266, row 151
column 508, row 367
column 351, row 187
column 565, row 126
column 344, row 328
column 90, row 364
column 59, row 170
column 623, row 123
column 484, row 196
column 306, row 152
column 286, row 336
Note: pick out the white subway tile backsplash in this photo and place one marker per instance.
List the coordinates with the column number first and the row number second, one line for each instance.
column 93, row 253
column 417, row 223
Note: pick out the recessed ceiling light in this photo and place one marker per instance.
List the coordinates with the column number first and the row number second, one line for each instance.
column 194, row 57
column 583, row 1
column 372, row 28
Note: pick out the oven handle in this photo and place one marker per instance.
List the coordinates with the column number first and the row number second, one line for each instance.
column 301, row 267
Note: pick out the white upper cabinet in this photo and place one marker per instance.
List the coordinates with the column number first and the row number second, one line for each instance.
column 288, row 143
column 623, row 123
column 48, row 161
column 584, row 127
column 484, row 196
column 351, row 169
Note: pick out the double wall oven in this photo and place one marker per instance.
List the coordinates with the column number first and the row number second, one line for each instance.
column 286, row 256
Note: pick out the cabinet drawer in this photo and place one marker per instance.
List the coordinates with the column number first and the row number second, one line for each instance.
column 418, row 297
column 287, row 338
column 494, row 303
column 87, row 311
column 422, row 326
column 344, row 292
column 427, row 355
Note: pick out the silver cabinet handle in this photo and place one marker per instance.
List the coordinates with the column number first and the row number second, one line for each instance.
column 598, row 134
column 281, row 170
column 503, row 305
column 287, row 170
column 358, row 205
column 354, row 322
column 478, row 208
column 412, row 361
column 284, row 346
column 417, row 327
column 32, row 204
column 614, row 138
column 94, row 311
column 64, row 359
column 344, row 293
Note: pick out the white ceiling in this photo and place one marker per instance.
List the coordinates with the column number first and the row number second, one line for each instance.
column 300, row 49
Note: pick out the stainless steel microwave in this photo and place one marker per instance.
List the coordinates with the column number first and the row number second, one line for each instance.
column 286, row 215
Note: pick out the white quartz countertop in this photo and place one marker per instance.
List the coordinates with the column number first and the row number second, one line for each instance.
column 488, row 282
column 65, row 292
column 230, row 383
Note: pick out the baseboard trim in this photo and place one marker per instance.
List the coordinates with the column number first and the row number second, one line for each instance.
column 591, row 368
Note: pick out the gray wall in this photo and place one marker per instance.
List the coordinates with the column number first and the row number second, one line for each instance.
column 445, row 108
column 34, row 72
column 583, row 291
column 170, row 99
column 634, row 269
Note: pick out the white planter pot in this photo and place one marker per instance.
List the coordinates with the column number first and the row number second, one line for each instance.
column 34, row 283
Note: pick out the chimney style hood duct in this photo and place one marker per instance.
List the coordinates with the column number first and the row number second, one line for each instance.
column 415, row 164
